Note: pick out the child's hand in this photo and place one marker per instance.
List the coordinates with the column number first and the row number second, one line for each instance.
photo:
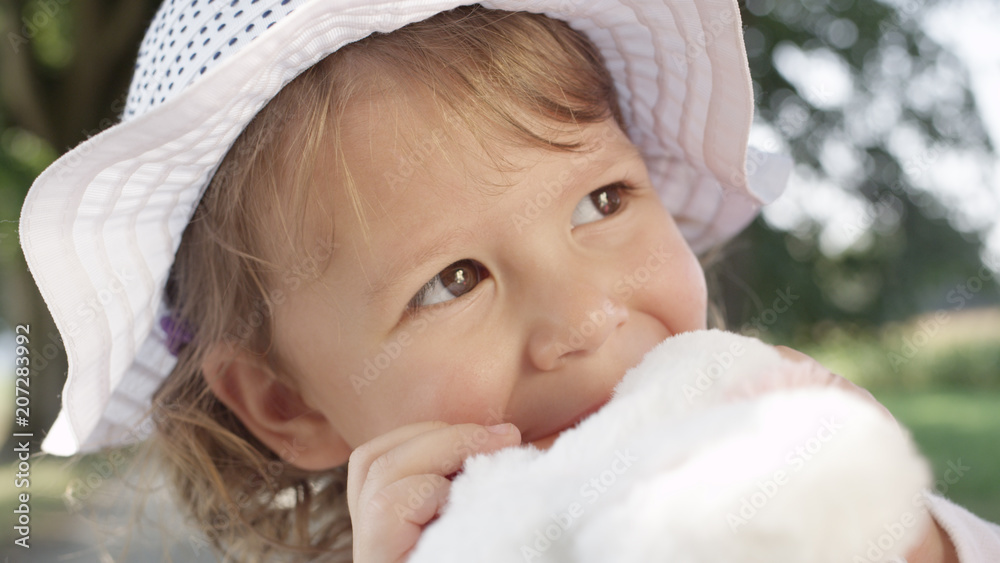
column 814, row 376
column 397, row 482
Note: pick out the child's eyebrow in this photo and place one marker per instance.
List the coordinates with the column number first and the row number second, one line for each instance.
column 390, row 280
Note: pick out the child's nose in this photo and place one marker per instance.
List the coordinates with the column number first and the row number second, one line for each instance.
column 574, row 319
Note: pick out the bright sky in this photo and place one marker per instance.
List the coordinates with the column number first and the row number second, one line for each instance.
column 969, row 29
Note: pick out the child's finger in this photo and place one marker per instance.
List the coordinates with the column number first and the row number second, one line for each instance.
column 437, row 450
column 413, row 500
column 415, row 449
column 423, row 447
column 396, row 482
column 396, row 515
column 363, row 456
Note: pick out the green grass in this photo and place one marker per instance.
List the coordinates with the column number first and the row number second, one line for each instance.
column 880, row 363
column 961, row 428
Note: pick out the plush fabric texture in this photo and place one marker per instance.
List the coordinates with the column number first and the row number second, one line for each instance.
column 713, row 449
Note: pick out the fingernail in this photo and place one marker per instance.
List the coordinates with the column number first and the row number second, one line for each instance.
column 500, row 428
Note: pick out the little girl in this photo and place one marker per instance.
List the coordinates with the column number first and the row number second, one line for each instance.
column 411, row 233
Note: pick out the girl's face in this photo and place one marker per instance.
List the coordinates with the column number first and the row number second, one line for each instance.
column 485, row 296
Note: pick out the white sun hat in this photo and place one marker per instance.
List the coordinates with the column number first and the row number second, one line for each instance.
column 100, row 227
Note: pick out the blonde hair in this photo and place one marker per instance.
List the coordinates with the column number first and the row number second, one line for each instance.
column 495, row 73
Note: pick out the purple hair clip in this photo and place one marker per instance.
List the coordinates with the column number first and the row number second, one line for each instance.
column 177, row 334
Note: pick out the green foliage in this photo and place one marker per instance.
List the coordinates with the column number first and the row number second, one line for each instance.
column 50, row 28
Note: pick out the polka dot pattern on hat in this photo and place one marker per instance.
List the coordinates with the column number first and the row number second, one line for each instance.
column 187, row 38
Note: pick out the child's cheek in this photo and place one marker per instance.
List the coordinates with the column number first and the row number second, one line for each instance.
column 678, row 293
column 454, row 385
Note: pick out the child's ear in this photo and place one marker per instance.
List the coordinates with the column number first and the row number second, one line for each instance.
column 275, row 413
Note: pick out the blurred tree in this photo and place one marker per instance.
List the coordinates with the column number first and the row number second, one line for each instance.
column 64, row 71
column 867, row 104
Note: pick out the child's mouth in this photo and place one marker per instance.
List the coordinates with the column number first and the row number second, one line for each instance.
column 546, row 441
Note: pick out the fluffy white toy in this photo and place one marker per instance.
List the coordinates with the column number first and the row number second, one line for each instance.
column 704, row 454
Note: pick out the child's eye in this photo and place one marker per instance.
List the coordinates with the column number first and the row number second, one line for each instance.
column 599, row 203
column 454, row 281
